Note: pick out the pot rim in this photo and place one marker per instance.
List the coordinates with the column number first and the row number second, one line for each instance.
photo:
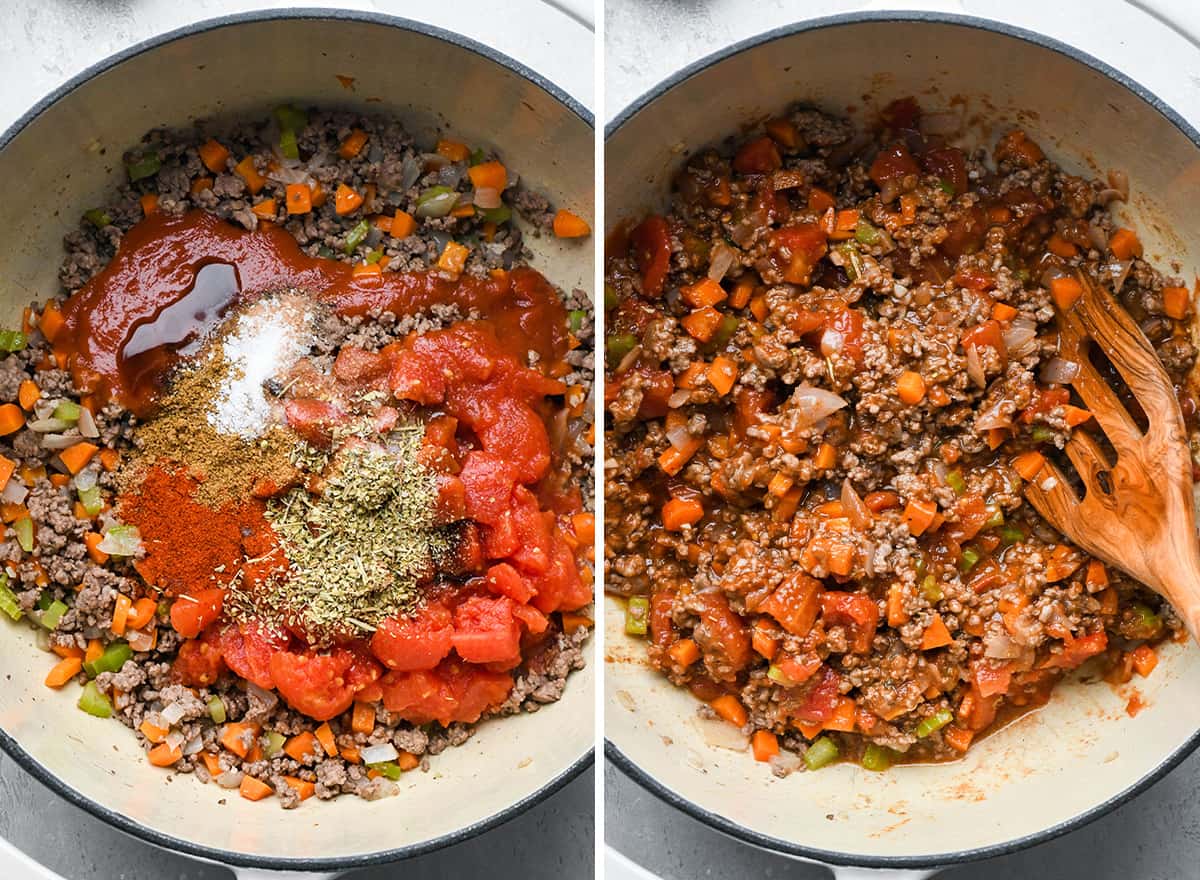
column 133, row 827
column 736, row 830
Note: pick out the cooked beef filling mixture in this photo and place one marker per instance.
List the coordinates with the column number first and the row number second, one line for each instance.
column 831, row 367
column 297, row 468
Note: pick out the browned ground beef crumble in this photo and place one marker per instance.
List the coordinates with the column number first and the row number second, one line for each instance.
column 774, row 590
column 394, row 165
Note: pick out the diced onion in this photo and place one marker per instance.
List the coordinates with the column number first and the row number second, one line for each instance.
column 852, row 503
column 1052, row 272
column 1119, row 181
column 45, row 426
column 14, row 492
column 264, row 696
column 86, row 478
column 1118, row 270
column 193, row 745
column 720, row 260
column 785, row 762
column 680, row 437
column 410, row 171
column 173, row 714
column 121, row 541
column 174, row 739
column 487, row 198
column 59, row 441
column 141, row 640
column 975, row 366
column 230, row 779
column 289, row 173
column 1098, row 237
column 379, row 788
column 993, row 417
column 1059, row 371
column 831, row 342
column 379, row 754
column 721, row 734
column 679, row 398
column 812, row 404
column 1000, row 646
column 1020, row 337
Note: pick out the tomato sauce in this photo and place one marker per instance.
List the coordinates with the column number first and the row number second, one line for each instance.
column 173, row 279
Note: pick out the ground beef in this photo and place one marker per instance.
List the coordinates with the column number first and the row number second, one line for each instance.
column 813, row 462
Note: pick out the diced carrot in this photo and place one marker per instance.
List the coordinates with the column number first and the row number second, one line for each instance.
column 1059, row 246
column 363, row 719
column 10, row 512
column 51, row 321
column 247, row 172
column 572, row 621
column 1176, row 302
column 687, row 379
column 454, row 258
column 298, row 198
column 742, row 291
column 723, row 374
column 346, row 200
column 959, row 738
column 672, row 460
column 489, row 175
column 353, row 144
column 214, row 156
column 149, row 203
column 842, row 718
column 121, row 614
column 75, row 457
column 152, row 731
column 403, row 225
column 568, row 225
column 765, row 745
column 703, row 293
column 254, row 789
column 1109, row 601
column 141, row 613
column 1029, row 464
column 684, row 652
column 1075, row 415
column 200, row 184
column 351, row 755
column 680, row 512
column 844, row 224
column 363, row 269
column 910, row 388
column 7, row 468
column 1125, row 244
column 212, row 763
column 779, row 485
column 324, row 735
column 109, row 459
column 1003, row 312
column 302, row 787
column 819, row 201
column 318, row 194
column 896, row 615
column 759, row 307
column 67, row 651
column 95, row 650
column 584, row 527
column 1065, row 291
column 1145, row 658
column 408, row 761
column 266, row 209
column 826, row 457
column 727, row 706
column 936, row 635
column 996, row 437
column 232, row 737
column 300, row 745
column 164, row 755
column 763, row 642
column 64, row 670
column 1097, row 577
column 453, row 150
column 702, row 323
column 918, row 516
column 489, row 230
column 93, row 539
column 11, row 418
column 28, row 394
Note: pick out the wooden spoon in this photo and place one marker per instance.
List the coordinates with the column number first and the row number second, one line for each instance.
column 1137, row 512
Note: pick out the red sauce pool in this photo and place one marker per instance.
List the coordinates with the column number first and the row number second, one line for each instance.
column 174, row 278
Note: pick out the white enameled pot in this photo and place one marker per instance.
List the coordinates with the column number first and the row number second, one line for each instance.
column 62, row 158
column 1082, row 754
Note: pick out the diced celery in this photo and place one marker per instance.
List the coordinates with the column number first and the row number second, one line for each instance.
column 970, row 556
column 865, row 233
column 995, row 520
column 390, row 769
column 776, row 675
column 610, row 298
column 437, row 201
column 53, row 614
column 931, row 589
column 275, row 742
column 637, row 616
column 8, row 599
column 1042, row 434
column 290, row 117
column 877, row 758
column 93, row 702
column 478, row 156
column 146, row 166
column 287, row 144
column 375, row 256
column 821, row 753
column 356, row 236
column 575, row 319
column 121, row 541
column 13, row 340
column 946, row 186
column 113, row 658
column 618, row 345
column 955, row 481
column 91, row 500
column 24, row 529
column 1012, row 534
column 66, row 410
column 97, row 217
column 216, row 709
column 497, row 215
column 936, row 721
column 725, row 331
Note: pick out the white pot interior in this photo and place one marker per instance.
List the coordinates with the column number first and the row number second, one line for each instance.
column 1081, row 750
column 65, row 161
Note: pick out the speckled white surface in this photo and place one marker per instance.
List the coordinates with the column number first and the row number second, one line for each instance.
column 44, row 43
column 1156, row 837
